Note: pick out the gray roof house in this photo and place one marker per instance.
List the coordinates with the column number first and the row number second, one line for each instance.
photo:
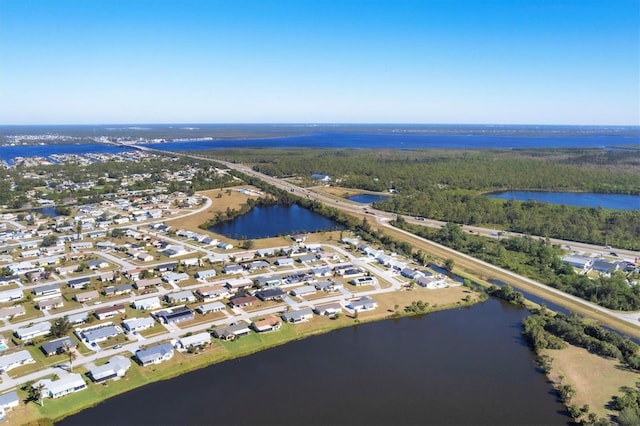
column 154, row 354
column 116, row 367
column 7, row 402
column 300, row 315
column 58, row 346
column 232, row 331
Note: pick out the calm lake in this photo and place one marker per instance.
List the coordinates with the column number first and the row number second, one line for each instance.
column 271, row 221
column 367, row 198
column 468, row 366
column 580, row 199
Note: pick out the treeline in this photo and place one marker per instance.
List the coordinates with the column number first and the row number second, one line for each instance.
column 590, row 225
column 507, row 293
column 542, row 330
column 537, row 259
column 449, row 185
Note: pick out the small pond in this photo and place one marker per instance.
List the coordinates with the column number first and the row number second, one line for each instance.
column 367, row 198
column 271, row 221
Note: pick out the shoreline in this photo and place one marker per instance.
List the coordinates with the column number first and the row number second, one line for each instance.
column 58, row 409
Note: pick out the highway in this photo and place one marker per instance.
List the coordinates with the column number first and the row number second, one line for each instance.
column 382, row 218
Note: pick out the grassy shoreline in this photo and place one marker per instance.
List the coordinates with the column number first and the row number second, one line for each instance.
column 219, row 351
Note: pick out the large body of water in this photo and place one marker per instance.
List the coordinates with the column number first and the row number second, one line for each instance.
column 580, row 199
column 468, row 366
column 335, row 137
column 271, row 221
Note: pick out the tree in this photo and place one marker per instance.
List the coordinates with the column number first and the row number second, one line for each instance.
column 70, row 353
column 36, row 393
column 49, row 240
column 61, row 326
column 448, row 264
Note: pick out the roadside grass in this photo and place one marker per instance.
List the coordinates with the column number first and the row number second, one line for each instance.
column 595, row 378
column 154, row 330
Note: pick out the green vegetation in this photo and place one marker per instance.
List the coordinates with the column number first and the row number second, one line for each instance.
column 451, row 185
column 628, row 406
column 537, row 259
column 544, row 330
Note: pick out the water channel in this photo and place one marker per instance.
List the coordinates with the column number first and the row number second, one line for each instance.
column 467, row 366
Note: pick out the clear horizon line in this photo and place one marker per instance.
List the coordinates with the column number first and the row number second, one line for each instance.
column 294, row 123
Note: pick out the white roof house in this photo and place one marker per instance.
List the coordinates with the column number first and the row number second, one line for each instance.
column 116, row 367
column 56, row 388
column 11, row 295
column 147, row 304
column 181, row 296
column 14, row 360
column 28, row 333
column 211, row 307
column 138, row 324
column 199, row 339
column 204, row 275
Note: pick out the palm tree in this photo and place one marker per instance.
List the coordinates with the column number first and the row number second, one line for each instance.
column 71, row 353
column 37, row 393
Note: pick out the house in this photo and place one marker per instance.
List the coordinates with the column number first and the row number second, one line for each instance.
column 604, row 266
column 322, row 272
column 224, row 246
column 174, row 251
column 211, row 307
column 154, row 354
column 257, row 264
column 579, row 262
column 432, row 282
column 117, row 290
column 218, row 258
column 284, row 261
column 303, row 291
column 412, row 274
column 47, row 290
column 213, row 292
column 185, row 296
column 265, row 252
column 361, row 304
column 362, row 281
column 198, row 340
column 78, row 318
column 115, row 368
column 27, row 333
column 11, row 295
column 146, row 283
column 352, row 272
column 267, row 324
column 109, row 311
column 174, row 278
column 48, row 304
column 79, row 282
column 14, row 360
column 205, row 275
column 263, row 281
column 301, row 315
column 328, row 309
column 307, row 258
column 235, row 284
column 328, row 286
column 174, row 315
column 274, row 293
column 67, row 384
column 97, row 264
column 232, row 331
column 146, row 304
column 12, row 311
column 97, row 334
column 58, row 346
column 170, row 266
column 243, row 301
column 86, row 296
column 7, row 402
column 11, row 279
column 232, row 268
column 135, row 325
column 67, row 269
column 299, row 238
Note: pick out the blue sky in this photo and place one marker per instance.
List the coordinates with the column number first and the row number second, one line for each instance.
column 366, row 61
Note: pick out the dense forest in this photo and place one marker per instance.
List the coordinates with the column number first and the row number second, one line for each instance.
column 539, row 260
column 451, row 185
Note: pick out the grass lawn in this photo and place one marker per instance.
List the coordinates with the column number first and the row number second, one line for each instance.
column 596, row 379
column 154, row 330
